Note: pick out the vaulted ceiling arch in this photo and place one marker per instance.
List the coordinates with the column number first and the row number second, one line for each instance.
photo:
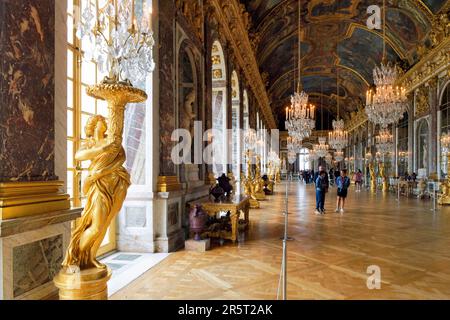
column 335, row 35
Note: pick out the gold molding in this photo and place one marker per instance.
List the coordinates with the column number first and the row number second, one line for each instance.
column 231, row 15
column 168, row 184
column 357, row 120
column 22, row 199
column 433, row 61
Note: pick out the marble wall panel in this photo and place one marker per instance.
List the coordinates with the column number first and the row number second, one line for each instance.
column 27, row 86
column 36, row 263
column 166, row 84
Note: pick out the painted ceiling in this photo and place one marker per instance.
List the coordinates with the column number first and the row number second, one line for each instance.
column 335, row 39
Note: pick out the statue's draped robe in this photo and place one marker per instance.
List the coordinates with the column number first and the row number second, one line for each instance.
column 105, row 189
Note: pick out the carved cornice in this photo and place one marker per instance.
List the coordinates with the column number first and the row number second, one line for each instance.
column 356, row 121
column 192, row 13
column 434, row 61
column 234, row 24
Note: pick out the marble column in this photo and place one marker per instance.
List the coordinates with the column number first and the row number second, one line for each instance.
column 166, row 69
column 27, row 90
column 241, row 124
column 168, row 203
column 35, row 214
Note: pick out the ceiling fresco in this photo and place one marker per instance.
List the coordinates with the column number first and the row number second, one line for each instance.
column 434, row 5
column 334, row 35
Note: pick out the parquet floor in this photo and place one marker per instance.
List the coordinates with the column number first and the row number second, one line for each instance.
column 327, row 260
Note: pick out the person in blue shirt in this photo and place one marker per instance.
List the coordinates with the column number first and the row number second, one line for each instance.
column 321, row 187
column 342, row 183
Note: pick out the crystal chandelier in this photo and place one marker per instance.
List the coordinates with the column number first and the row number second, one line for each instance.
column 300, row 119
column 339, row 155
column 387, row 103
column 294, row 144
column 338, row 138
column 250, row 139
column 445, row 140
column 313, row 156
column 321, row 149
column 384, row 142
column 292, row 157
column 117, row 42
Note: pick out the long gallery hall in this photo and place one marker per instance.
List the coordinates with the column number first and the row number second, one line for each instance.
column 224, row 150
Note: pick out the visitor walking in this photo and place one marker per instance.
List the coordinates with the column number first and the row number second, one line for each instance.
column 321, row 186
column 342, row 183
column 358, row 180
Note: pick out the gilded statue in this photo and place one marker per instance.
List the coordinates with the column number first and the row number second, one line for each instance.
column 444, row 198
column 258, row 182
column 382, row 169
column 373, row 177
column 105, row 188
column 249, row 192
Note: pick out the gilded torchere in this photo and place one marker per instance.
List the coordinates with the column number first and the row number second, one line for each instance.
column 248, row 185
column 258, row 181
column 82, row 276
column 373, row 178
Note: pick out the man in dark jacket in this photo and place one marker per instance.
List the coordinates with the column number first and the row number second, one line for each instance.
column 326, row 184
column 320, row 186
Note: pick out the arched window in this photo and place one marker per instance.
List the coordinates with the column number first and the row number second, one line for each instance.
column 422, row 147
column 246, row 112
column 188, row 109
column 235, row 123
column 303, row 160
column 445, row 127
column 219, row 114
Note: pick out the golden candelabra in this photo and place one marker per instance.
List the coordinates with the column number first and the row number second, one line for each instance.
column 258, row 181
column 82, row 277
column 250, row 188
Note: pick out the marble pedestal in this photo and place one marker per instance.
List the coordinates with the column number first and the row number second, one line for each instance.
column 31, row 252
column 169, row 235
column 90, row 284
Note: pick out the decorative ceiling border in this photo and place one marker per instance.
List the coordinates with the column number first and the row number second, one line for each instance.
column 230, row 15
column 430, row 66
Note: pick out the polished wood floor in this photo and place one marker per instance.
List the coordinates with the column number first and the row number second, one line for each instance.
column 327, row 260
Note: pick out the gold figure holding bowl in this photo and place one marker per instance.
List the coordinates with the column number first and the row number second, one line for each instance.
column 82, row 276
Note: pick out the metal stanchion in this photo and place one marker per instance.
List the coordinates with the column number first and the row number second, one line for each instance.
column 285, row 246
column 283, row 273
column 398, row 190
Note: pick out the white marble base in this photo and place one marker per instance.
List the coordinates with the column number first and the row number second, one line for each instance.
column 135, row 224
column 126, row 271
